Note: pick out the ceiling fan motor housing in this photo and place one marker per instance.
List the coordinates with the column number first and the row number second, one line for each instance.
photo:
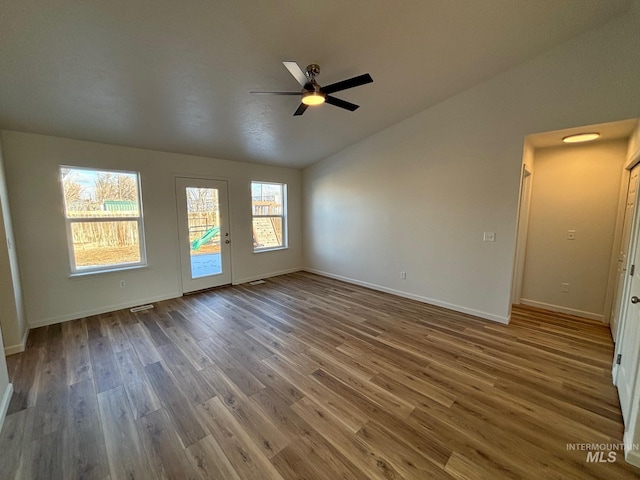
column 312, row 86
column 313, row 70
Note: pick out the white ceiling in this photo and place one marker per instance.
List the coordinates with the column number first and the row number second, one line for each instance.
column 176, row 75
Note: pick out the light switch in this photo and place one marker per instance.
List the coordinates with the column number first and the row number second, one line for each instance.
column 571, row 235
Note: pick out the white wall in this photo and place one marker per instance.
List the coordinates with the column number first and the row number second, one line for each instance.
column 575, row 188
column 12, row 317
column 418, row 196
column 50, row 295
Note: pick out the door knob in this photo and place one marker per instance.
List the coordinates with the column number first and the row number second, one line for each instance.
column 229, row 241
column 635, row 299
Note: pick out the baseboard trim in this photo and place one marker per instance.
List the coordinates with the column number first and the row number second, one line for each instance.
column 160, row 298
column 19, row 347
column 631, row 455
column 267, row 275
column 419, row 298
column 570, row 311
column 4, row 404
column 98, row 311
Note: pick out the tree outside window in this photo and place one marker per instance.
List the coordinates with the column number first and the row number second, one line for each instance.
column 103, row 213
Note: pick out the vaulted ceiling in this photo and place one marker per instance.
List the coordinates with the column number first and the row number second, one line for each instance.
column 176, row 75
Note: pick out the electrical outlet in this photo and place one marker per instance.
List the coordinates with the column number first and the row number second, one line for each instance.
column 565, row 288
column 123, row 284
column 489, row 237
column 403, row 275
column 571, row 234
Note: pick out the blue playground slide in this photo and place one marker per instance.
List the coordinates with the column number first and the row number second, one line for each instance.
column 208, row 235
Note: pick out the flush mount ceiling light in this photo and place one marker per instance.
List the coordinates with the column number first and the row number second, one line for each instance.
column 581, row 137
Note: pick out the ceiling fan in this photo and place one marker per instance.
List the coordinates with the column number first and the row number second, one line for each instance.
column 314, row 94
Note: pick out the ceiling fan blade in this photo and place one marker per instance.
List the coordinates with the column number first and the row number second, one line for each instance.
column 349, row 83
column 275, row 93
column 297, row 72
column 341, row 103
column 300, row 109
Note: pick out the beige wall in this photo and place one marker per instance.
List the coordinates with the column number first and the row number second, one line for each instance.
column 634, row 142
column 418, row 196
column 574, row 188
column 31, row 165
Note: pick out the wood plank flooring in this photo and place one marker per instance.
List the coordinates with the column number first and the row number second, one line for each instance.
column 304, row 377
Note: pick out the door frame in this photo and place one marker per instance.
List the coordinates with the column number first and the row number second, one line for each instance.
column 633, row 242
column 618, row 288
column 179, row 258
column 522, row 224
column 526, row 184
column 632, row 428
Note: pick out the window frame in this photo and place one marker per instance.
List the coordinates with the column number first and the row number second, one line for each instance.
column 283, row 217
column 69, row 221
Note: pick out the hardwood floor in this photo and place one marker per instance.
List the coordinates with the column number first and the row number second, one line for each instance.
column 305, row 377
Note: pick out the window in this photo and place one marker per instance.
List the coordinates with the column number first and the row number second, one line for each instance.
column 269, row 208
column 103, row 212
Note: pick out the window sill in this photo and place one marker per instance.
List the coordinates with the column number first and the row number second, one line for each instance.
column 107, row 271
column 274, row 249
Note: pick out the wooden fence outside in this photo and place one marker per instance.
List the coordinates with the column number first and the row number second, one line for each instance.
column 122, row 233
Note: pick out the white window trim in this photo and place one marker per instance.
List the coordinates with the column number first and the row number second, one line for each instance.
column 283, row 217
column 69, row 221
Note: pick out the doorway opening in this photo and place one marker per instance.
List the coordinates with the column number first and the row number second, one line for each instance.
column 578, row 240
column 570, row 225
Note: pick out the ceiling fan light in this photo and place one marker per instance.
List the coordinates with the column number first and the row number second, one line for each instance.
column 312, row 98
column 581, row 137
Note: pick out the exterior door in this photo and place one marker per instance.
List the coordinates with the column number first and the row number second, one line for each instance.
column 618, row 302
column 203, row 233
